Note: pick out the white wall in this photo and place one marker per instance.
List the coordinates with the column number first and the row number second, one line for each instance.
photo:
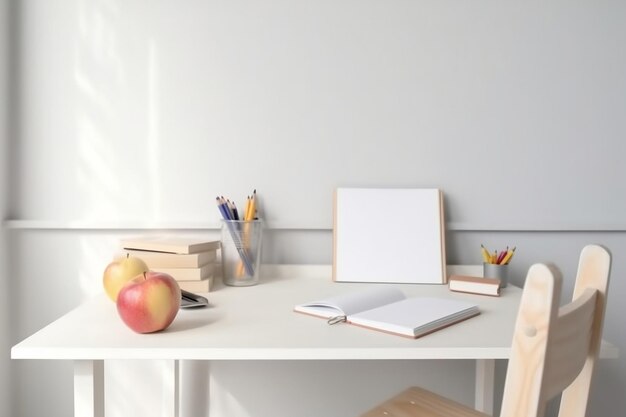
column 5, row 370
column 474, row 97
column 144, row 111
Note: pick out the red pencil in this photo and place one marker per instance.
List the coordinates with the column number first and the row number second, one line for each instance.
column 501, row 256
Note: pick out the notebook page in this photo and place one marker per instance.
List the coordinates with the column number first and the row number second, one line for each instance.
column 352, row 303
column 414, row 316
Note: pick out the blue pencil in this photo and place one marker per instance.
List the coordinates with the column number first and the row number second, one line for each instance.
column 226, row 214
column 222, row 208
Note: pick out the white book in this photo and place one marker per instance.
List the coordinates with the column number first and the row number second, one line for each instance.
column 203, row 286
column 171, row 244
column 387, row 309
column 474, row 285
column 156, row 260
column 188, row 274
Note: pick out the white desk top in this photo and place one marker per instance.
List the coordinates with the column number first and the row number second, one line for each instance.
column 258, row 323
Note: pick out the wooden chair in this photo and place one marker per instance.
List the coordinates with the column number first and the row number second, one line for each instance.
column 554, row 349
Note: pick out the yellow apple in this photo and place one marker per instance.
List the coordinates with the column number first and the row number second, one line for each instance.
column 119, row 272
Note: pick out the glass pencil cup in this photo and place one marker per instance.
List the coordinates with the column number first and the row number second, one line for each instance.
column 241, row 251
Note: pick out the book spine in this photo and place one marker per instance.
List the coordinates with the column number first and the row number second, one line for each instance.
column 170, row 260
column 183, row 249
column 468, row 290
column 205, row 285
column 189, row 274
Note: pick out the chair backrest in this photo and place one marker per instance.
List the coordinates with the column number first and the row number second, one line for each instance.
column 554, row 349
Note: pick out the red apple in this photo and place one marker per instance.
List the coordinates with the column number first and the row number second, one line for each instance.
column 119, row 272
column 149, row 302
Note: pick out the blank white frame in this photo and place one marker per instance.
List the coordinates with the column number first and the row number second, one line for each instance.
column 389, row 236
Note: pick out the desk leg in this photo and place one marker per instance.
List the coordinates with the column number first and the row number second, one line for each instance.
column 194, row 388
column 171, row 384
column 88, row 388
column 485, row 370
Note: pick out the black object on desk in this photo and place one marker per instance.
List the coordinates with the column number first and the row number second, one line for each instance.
column 191, row 300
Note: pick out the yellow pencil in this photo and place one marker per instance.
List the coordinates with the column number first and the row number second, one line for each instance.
column 485, row 253
column 247, row 210
column 252, row 210
column 249, row 215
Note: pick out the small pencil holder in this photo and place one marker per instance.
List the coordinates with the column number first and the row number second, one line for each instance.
column 241, row 251
column 500, row 272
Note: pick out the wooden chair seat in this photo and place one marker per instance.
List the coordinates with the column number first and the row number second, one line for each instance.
column 418, row 402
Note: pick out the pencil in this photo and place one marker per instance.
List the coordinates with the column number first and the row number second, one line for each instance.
column 507, row 257
column 223, row 210
column 243, row 254
column 248, row 216
column 485, row 253
column 502, row 255
column 252, row 210
column 235, row 212
column 247, row 210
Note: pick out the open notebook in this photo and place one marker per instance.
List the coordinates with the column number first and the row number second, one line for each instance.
column 387, row 309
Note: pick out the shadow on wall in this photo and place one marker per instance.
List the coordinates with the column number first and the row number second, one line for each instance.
column 114, row 138
column 116, row 79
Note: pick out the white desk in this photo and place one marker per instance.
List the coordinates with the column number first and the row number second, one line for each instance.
column 257, row 323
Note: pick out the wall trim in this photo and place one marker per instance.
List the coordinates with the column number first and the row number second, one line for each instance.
column 22, row 224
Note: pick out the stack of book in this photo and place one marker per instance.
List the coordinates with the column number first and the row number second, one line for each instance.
column 192, row 262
